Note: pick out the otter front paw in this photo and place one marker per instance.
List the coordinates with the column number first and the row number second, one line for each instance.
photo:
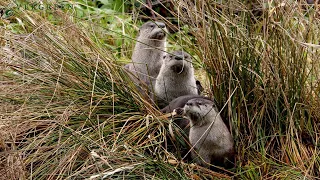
column 178, row 111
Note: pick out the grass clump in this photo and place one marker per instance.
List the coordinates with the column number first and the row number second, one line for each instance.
column 69, row 110
column 264, row 67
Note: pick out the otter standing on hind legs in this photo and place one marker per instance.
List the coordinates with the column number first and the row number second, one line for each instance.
column 208, row 134
column 148, row 52
column 176, row 78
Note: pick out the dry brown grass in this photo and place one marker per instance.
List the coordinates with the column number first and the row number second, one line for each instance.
column 69, row 111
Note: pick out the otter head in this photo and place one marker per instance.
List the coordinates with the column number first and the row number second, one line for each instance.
column 196, row 109
column 178, row 62
column 153, row 30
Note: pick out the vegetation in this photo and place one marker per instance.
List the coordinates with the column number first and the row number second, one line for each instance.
column 69, row 111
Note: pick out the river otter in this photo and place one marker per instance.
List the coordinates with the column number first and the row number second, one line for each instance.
column 179, row 102
column 208, row 134
column 148, row 52
column 176, row 78
column 177, row 105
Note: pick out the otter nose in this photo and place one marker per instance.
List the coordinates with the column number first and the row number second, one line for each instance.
column 189, row 104
column 161, row 25
column 178, row 57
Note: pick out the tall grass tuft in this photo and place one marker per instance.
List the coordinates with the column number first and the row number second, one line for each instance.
column 69, row 110
column 74, row 112
column 262, row 62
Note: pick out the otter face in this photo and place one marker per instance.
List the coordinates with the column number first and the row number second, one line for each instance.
column 154, row 30
column 198, row 108
column 178, row 62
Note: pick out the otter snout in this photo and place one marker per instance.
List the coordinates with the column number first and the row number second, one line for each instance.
column 178, row 58
column 161, row 25
column 158, row 30
column 177, row 68
column 180, row 55
column 194, row 103
column 159, row 35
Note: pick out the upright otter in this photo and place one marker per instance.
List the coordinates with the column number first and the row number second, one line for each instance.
column 176, row 78
column 148, row 52
column 208, row 134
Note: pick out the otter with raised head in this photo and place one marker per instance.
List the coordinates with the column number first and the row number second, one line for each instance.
column 148, row 52
column 179, row 102
column 177, row 105
column 176, row 78
column 209, row 136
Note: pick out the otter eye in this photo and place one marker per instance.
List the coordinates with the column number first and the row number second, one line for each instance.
column 164, row 56
column 152, row 25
